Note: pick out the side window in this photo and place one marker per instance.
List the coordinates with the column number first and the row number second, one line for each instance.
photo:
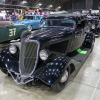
column 44, row 23
column 37, row 17
column 33, row 17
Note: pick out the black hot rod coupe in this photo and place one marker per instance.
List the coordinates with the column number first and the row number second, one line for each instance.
column 52, row 54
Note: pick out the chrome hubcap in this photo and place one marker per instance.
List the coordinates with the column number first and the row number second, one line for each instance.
column 30, row 28
column 64, row 77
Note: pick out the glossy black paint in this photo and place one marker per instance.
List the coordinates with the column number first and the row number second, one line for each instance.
column 7, row 61
column 50, row 71
column 89, row 39
column 59, row 41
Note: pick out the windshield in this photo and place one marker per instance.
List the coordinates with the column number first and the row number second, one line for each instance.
column 57, row 22
column 29, row 17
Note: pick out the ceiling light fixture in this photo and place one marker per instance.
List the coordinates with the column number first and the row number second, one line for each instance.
column 59, row 7
column 51, row 6
column 39, row 4
column 24, row 2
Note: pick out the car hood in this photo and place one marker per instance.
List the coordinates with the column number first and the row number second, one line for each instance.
column 23, row 21
column 47, row 34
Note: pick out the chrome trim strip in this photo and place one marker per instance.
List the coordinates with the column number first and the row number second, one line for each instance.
column 19, row 77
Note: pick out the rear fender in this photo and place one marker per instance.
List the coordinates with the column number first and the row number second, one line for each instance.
column 90, row 38
column 51, row 71
column 9, row 62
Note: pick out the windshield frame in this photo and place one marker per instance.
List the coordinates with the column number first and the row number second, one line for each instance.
column 58, row 25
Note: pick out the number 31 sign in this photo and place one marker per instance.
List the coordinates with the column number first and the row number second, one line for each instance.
column 12, row 32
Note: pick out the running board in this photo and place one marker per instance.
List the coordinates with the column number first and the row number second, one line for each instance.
column 82, row 57
column 79, row 60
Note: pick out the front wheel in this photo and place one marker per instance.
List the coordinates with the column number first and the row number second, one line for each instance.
column 5, row 71
column 29, row 27
column 60, row 85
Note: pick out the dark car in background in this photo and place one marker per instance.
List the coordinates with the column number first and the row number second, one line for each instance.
column 52, row 54
column 94, row 24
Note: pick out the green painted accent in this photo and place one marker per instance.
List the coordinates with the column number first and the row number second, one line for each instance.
column 81, row 51
column 11, row 31
column 78, row 50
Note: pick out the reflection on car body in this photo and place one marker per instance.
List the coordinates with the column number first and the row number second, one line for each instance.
column 50, row 54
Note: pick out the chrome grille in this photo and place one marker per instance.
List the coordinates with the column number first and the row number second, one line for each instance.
column 28, row 56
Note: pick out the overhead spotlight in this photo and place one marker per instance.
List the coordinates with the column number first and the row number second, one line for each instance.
column 40, row 4
column 59, row 7
column 24, row 2
column 51, row 6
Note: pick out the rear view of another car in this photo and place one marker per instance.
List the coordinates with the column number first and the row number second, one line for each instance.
column 10, row 31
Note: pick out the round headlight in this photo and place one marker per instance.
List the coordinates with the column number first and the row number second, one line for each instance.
column 44, row 55
column 12, row 49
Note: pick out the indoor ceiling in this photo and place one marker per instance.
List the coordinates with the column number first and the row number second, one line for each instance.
column 31, row 4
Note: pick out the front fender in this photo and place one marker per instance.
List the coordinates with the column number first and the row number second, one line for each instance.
column 9, row 62
column 22, row 30
column 31, row 24
column 51, row 71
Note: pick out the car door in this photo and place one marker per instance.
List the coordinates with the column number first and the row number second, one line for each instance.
column 85, row 29
column 77, row 38
column 80, row 33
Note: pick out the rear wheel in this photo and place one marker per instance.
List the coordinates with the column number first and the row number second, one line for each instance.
column 89, row 44
column 60, row 85
column 89, row 41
